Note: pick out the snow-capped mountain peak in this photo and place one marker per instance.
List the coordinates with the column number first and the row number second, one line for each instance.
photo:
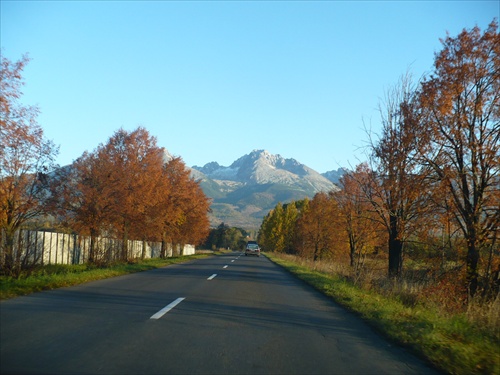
column 244, row 192
column 262, row 167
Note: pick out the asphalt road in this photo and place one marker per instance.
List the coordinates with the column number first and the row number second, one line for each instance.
column 252, row 317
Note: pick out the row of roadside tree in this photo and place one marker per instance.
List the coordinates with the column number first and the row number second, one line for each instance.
column 432, row 183
column 127, row 188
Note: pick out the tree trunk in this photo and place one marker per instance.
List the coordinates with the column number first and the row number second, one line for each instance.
column 125, row 243
column 163, row 251
column 8, row 250
column 352, row 247
column 92, row 250
column 316, row 251
column 472, row 260
column 395, row 250
column 20, row 247
column 395, row 257
column 143, row 254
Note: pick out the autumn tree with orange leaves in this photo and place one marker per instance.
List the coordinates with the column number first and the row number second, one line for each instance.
column 112, row 190
column 458, row 121
column 81, row 198
column 136, row 167
column 126, row 189
column 356, row 217
column 184, row 214
column 317, row 229
column 25, row 159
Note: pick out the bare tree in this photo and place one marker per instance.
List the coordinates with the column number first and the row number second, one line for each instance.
column 397, row 189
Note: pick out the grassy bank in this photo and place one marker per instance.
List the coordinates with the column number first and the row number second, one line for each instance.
column 57, row 276
column 451, row 342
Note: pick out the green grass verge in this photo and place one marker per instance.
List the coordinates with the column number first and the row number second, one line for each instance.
column 57, row 276
column 451, row 343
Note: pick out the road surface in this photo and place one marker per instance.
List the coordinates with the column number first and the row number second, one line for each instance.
column 226, row 314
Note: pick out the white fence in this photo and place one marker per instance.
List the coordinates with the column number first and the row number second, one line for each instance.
column 34, row 247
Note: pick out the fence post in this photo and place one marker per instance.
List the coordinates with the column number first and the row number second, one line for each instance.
column 63, row 246
column 68, row 246
column 36, row 248
column 43, row 248
column 50, row 247
column 74, row 251
column 57, row 245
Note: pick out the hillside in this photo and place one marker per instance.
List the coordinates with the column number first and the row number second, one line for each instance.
column 244, row 192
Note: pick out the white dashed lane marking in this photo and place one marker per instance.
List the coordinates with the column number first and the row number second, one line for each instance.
column 211, row 277
column 167, row 308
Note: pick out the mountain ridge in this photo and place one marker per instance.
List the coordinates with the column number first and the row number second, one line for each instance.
column 244, row 192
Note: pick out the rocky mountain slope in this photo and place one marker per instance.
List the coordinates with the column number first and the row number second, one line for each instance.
column 334, row 175
column 244, row 192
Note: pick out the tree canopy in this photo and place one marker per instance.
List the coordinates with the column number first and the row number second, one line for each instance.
column 26, row 157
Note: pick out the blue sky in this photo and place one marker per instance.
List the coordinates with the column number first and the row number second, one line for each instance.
column 215, row 80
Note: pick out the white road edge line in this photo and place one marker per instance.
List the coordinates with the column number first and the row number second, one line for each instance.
column 211, row 277
column 167, row 308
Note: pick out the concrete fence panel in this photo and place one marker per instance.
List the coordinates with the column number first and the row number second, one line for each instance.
column 40, row 247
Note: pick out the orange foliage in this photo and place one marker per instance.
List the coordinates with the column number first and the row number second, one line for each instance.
column 126, row 189
column 25, row 159
column 317, row 228
column 359, row 224
column 460, row 106
column 185, row 207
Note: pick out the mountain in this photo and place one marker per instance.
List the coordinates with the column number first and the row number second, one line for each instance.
column 243, row 193
column 334, row 175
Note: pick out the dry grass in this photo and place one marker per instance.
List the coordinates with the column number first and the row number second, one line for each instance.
column 485, row 314
column 437, row 288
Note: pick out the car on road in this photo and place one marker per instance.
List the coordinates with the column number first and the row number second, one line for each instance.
column 252, row 248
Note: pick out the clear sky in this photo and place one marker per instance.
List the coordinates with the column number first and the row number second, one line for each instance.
column 215, row 80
